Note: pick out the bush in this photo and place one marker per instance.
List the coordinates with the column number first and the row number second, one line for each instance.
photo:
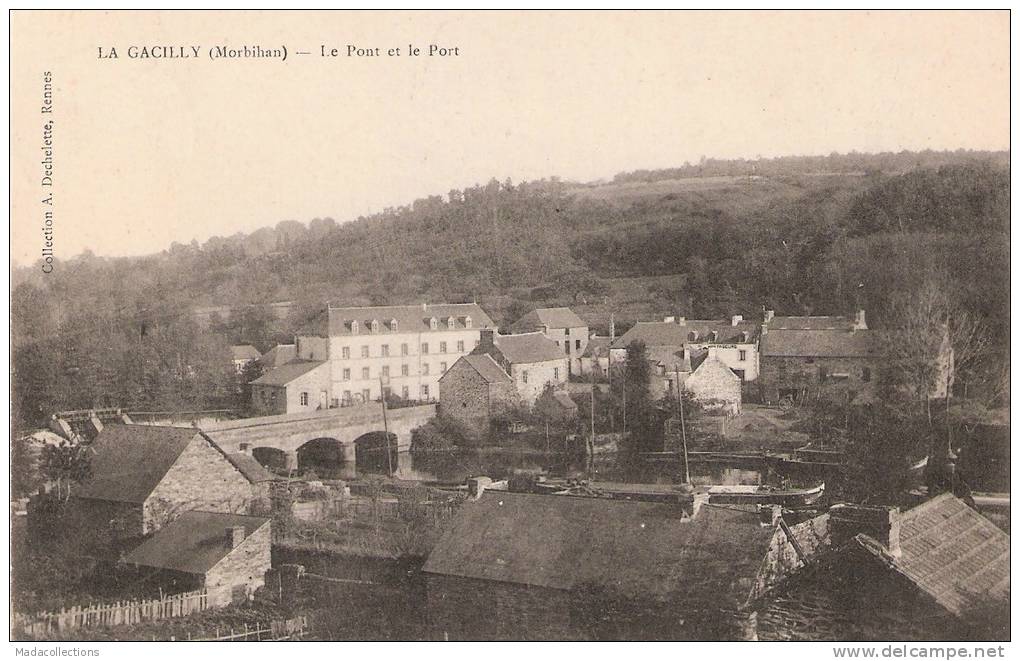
column 439, row 434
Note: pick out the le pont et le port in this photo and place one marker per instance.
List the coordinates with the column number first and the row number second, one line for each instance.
column 353, row 50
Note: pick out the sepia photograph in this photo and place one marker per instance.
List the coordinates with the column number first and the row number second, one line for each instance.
column 457, row 326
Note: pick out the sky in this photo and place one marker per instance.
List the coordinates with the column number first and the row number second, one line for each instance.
column 151, row 151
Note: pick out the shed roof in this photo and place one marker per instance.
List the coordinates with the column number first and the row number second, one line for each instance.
column 952, row 553
column 244, row 352
column 525, row 348
column 485, row 366
column 130, row 460
column 284, row 374
column 193, row 543
column 250, row 467
column 548, row 318
column 636, row 548
column 680, row 333
column 823, row 343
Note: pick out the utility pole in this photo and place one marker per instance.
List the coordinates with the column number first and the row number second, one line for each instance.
column 591, row 441
column 386, row 427
column 683, row 427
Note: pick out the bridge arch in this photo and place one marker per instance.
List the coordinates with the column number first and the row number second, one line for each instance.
column 272, row 458
column 326, row 456
column 372, row 449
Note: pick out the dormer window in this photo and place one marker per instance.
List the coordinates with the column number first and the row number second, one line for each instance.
column 433, row 323
column 692, row 336
column 375, row 325
column 467, row 322
column 354, row 327
column 393, row 325
column 451, row 323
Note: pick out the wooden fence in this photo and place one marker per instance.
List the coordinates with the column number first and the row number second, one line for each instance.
column 121, row 612
column 275, row 630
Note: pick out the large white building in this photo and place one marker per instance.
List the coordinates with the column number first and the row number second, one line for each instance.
column 402, row 349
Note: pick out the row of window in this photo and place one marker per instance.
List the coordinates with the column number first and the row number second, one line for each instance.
column 384, row 350
column 556, row 375
column 566, row 345
column 366, row 395
column 375, row 325
column 405, row 370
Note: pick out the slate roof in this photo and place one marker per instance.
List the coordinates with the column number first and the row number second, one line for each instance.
column 193, row 543
column 130, row 460
column 284, row 374
column 244, row 352
column 409, row 318
column 632, row 547
column 527, row 348
column 249, row 467
column 596, row 345
column 548, row 317
column 713, row 364
column 823, row 343
column 486, row 368
column 669, row 358
column 810, row 323
column 952, row 553
column 281, row 354
column 670, row 333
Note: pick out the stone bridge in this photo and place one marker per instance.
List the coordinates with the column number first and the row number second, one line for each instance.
column 337, row 432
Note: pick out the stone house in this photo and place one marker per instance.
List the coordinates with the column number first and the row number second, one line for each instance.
column 242, row 354
column 227, row 554
column 938, row 571
column 595, row 357
column 562, row 326
column 830, row 357
column 144, row 476
column 514, row 566
column 474, row 392
column 532, row 360
column 400, row 350
column 297, row 387
column 735, row 342
column 714, row 385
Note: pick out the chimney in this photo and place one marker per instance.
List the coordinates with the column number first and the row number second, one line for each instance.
column 669, row 320
column 612, row 327
column 235, row 535
column 880, row 523
column 860, row 323
column 769, row 314
column 736, row 319
column 486, row 339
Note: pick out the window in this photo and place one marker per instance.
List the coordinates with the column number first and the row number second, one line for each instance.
column 425, row 369
column 347, row 397
column 577, row 344
column 375, row 325
column 304, row 399
column 442, row 368
column 403, row 349
column 404, row 370
column 566, row 347
column 451, row 323
column 442, row 347
column 364, row 351
column 393, row 325
column 433, row 323
column 424, row 347
column 365, row 373
column 460, row 346
column 345, row 353
column 424, row 392
column 743, row 355
column 366, row 395
column 405, row 392
column 334, row 402
column 386, row 371
column 354, row 327
column 347, row 374
column 467, row 322
column 385, row 350
column 866, row 374
column 524, row 376
column 556, row 373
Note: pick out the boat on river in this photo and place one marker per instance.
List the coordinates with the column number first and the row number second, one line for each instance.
column 720, row 494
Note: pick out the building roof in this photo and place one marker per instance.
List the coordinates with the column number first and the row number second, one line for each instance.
column 244, row 352
column 281, row 354
column 130, row 460
column 712, row 364
column 193, row 543
column 670, row 358
column 284, row 374
column 596, row 347
column 823, row 343
column 250, row 467
column 408, row 318
column 632, row 547
column 541, row 318
column 527, row 348
column 810, row 323
column 681, row 332
column 485, row 366
column 952, row 553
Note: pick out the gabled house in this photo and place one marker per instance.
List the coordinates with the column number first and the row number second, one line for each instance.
column 514, row 566
column 595, row 357
column 144, row 476
column 300, row 385
column 714, row 385
column 532, row 361
column 562, row 326
column 226, row 554
column 474, row 392
column 242, row 354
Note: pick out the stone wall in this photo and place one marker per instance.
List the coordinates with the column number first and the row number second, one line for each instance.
column 269, row 400
column 715, row 386
column 538, row 375
column 464, row 397
column 244, row 569
column 201, row 478
column 781, row 373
